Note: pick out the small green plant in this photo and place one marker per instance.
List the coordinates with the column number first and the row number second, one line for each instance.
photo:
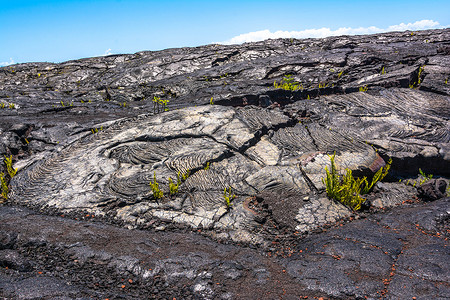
column 11, row 171
column 446, row 81
column 348, row 189
column 419, row 79
column 159, row 104
column 383, row 71
column 10, row 105
column 340, row 74
column 229, row 197
column 66, row 104
column 157, row 193
column 173, row 188
column 207, row 166
column 211, row 101
column 4, row 187
column 425, row 177
column 186, row 175
column 288, row 84
column 96, row 130
column 363, row 88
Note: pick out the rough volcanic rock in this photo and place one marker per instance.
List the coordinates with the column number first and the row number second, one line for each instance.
column 88, row 140
column 94, row 90
column 110, row 171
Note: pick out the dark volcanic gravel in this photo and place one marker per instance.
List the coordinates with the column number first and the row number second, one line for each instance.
column 394, row 254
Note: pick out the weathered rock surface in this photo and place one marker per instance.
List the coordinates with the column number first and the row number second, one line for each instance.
column 88, row 139
column 110, row 171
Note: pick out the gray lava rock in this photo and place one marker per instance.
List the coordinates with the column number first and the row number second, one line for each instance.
column 117, row 164
column 13, row 260
column 433, row 189
column 88, row 139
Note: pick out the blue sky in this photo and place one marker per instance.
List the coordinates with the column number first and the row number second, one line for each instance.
column 56, row 31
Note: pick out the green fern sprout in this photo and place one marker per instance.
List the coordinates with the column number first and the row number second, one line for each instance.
column 288, row 84
column 419, row 79
column 229, row 197
column 363, row 88
column 348, row 189
column 164, row 104
column 4, row 187
column 186, row 175
column 207, row 166
column 425, row 177
column 155, row 104
column 11, row 171
column 173, row 188
column 157, row 193
column 96, row 130
column 158, row 104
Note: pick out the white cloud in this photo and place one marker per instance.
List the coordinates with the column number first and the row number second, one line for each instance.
column 324, row 32
column 419, row 25
column 7, row 63
column 107, row 52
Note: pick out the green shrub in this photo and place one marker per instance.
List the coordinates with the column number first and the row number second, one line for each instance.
column 229, row 197
column 186, row 175
column 160, row 103
column 4, row 180
column 288, row 84
column 11, row 171
column 425, row 177
column 173, row 188
column 157, row 193
column 348, row 189
column 4, row 187
column 363, row 88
